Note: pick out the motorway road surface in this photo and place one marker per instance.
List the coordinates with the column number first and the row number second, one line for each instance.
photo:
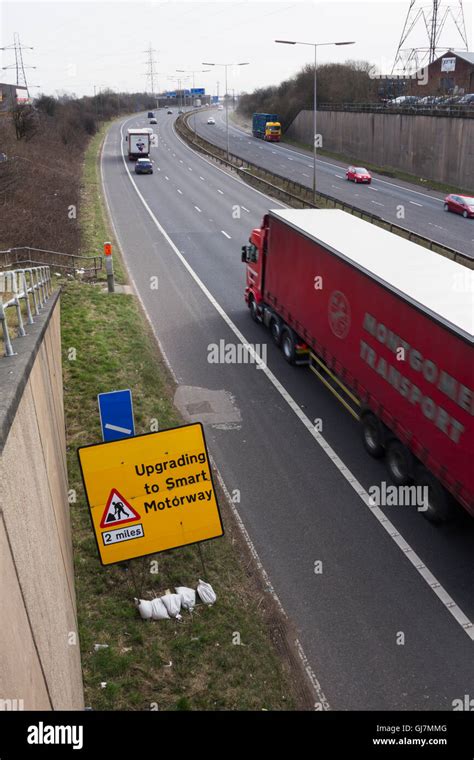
column 300, row 496
column 422, row 209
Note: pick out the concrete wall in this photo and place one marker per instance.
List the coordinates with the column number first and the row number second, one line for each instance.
column 39, row 644
column 431, row 147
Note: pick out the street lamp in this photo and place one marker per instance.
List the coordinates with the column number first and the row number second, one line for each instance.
column 193, row 72
column 315, row 45
column 226, row 65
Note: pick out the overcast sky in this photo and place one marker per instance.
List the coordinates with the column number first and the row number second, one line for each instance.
column 79, row 45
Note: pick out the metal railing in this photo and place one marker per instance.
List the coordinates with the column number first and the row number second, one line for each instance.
column 413, row 109
column 26, row 256
column 301, row 194
column 21, row 283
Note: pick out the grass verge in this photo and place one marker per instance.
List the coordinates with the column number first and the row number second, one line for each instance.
column 197, row 664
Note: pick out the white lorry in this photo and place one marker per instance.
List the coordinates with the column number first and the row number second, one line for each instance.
column 139, row 143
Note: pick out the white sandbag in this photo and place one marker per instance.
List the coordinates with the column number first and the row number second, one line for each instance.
column 188, row 597
column 159, row 610
column 206, row 592
column 172, row 603
column 144, row 608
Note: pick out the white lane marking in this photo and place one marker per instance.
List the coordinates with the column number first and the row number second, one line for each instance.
column 377, row 203
column 201, row 177
column 373, row 188
column 416, row 204
column 158, row 169
column 166, row 177
column 225, row 233
column 290, row 159
column 433, row 583
column 180, row 160
column 179, row 191
column 189, row 168
column 304, row 174
column 229, row 176
column 274, row 152
column 117, row 428
column 174, row 154
column 220, row 191
column 245, row 209
column 197, row 208
column 341, row 176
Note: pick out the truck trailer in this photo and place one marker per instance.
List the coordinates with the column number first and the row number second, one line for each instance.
column 387, row 326
column 266, row 126
column 139, row 142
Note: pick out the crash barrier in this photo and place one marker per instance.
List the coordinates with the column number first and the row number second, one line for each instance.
column 34, row 282
column 300, row 196
column 67, row 263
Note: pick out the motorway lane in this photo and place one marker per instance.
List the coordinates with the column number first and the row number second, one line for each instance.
column 423, row 210
column 347, row 617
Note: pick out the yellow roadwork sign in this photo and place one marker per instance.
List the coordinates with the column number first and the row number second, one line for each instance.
column 150, row 493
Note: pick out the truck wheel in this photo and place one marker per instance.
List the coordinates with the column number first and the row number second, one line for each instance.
column 439, row 503
column 288, row 345
column 275, row 330
column 254, row 310
column 372, row 435
column 399, row 462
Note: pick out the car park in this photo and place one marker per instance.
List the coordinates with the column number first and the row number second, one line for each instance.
column 467, row 100
column 358, row 174
column 211, row 120
column 144, row 166
column 460, row 204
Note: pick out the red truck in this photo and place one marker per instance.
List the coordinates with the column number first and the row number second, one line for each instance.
column 388, row 327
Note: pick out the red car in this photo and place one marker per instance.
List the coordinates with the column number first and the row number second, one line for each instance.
column 460, row 204
column 358, row 174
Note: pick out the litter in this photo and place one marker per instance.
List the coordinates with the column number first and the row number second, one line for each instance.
column 206, row 593
column 188, row 597
column 172, row 602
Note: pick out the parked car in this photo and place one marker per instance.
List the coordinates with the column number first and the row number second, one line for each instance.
column 153, row 121
column 358, row 174
column 404, row 100
column 460, row 204
column 169, row 110
column 467, row 100
column 211, row 120
column 144, row 166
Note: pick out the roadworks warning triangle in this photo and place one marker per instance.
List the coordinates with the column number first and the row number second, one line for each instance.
column 118, row 511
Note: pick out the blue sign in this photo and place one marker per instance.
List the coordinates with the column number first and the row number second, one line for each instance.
column 215, row 98
column 171, row 94
column 198, row 91
column 116, row 415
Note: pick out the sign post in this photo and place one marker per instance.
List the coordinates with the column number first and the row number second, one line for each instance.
column 150, row 493
column 109, row 267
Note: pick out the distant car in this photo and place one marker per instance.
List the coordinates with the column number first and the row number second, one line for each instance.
column 144, row 166
column 150, row 114
column 153, row 121
column 358, row 174
column 460, row 204
column 169, row 110
column 220, row 108
column 180, row 111
column 211, row 120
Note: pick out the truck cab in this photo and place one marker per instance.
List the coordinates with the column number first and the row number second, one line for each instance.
column 273, row 131
column 254, row 256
